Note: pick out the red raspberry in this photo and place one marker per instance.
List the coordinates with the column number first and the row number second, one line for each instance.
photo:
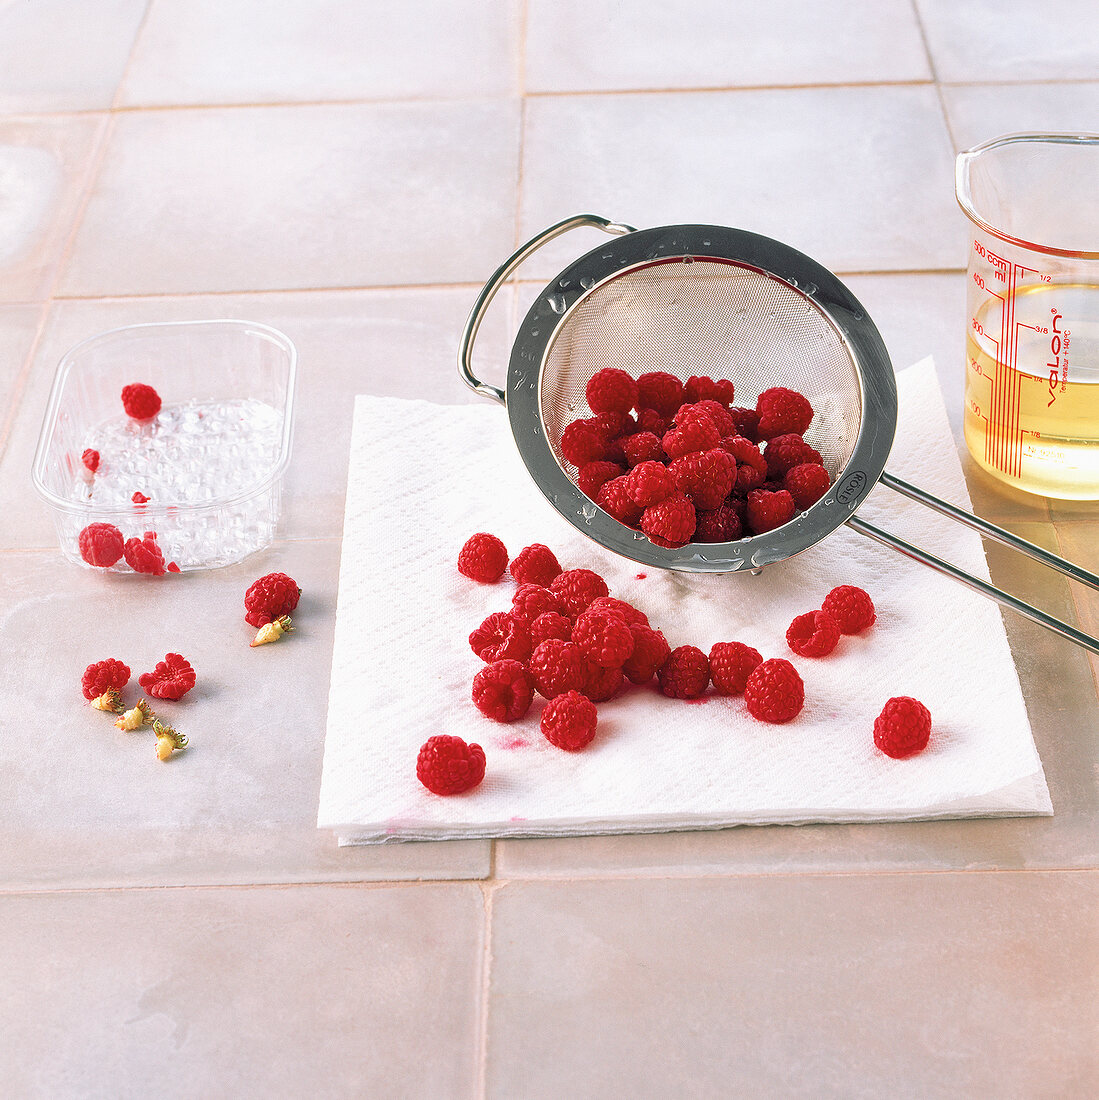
column 660, row 391
column 172, row 678
column 806, row 483
column 614, row 498
column 903, row 728
column 550, row 624
column 140, row 498
column 602, row 683
column 102, row 676
column 719, row 415
column 532, row 600
column 650, row 651
column 720, row 525
column 851, row 607
column 576, row 588
column 751, row 466
column 746, row 421
column 685, row 673
column 101, row 544
column 447, row 765
column 649, row 420
column 535, row 564
column 611, row 390
column 642, row 447
column 813, row 634
column 704, row 388
column 269, row 598
column 503, row 691
column 501, row 637
column 603, row 637
column 625, row 611
column 140, row 401
column 767, row 510
column 671, row 522
column 782, row 411
column 697, row 433
column 613, row 424
column 706, row 477
column 90, row 458
column 144, row 556
column 558, row 667
column 483, row 558
column 731, row 663
column 774, row 691
column 649, row 483
column 594, row 475
column 583, row 442
column 569, row 721
column 784, row 452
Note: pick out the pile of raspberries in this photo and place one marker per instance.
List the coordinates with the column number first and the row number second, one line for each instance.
column 681, row 463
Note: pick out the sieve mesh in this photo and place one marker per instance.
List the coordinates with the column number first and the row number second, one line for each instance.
column 699, row 316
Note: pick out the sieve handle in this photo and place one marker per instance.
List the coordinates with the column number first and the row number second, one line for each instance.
column 469, row 333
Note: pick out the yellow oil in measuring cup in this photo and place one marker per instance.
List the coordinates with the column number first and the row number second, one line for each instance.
column 1032, row 343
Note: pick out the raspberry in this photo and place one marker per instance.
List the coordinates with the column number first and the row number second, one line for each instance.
column 569, row 721
column 705, row 477
column 501, row 637
column 782, row 411
column 660, row 391
column 532, row 600
column 101, row 544
column 483, row 558
column 704, row 388
column 650, row 651
column 139, row 498
column 447, row 765
column 90, row 458
column 503, row 691
column 144, row 556
column 649, row 420
column 594, row 475
column 649, row 483
column 615, row 500
column 813, row 634
column 140, row 401
column 583, row 442
column 613, row 424
column 642, row 447
column 697, row 433
column 806, row 483
column 558, row 667
column 784, row 452
column 746, row 421
column 535, row 564
column 768, row 510
column 576, row 588
column 731, row 663
column 269, row 598
column 611, row 390
column 172, row 678
column 103, row 676
column 774, row 691
column 851, row 607
column 903, row 728
column 625, row 611
column 685, row 673
column 719, row 415
column 720, row 525
column 751, row 466
column 602, row 683
column 603, row 638
column 550, row 624
column 671, row 522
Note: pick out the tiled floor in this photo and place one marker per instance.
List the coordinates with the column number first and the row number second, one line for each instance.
column 351, row 174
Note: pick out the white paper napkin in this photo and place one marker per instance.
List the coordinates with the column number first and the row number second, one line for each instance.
column 424, row 477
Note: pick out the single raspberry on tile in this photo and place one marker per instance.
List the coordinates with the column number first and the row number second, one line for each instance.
column 576, row 588
column 172, row 678
column 806, row 483
column 270, row 597
column 720, row 416
column 696, row 434
column 557, row 667
column 143, row 555
column 685, row 673
column 603, row 638
column 531, row 600
column 782, row 411
column 550, row 624
column 660, row 391
column 569, row 721
column 483, row 558
column 649, row 483
column 751, row 466
column 611, row 390
column 641, row 447
column 768, row 510
column 602, row 683
column 103, row 676
column 813, row 634
column 731, row 663
column 447, row 765
column 90, row 458
column 774, row 692
column 704, row 388
column 614, row 498
column 501, row 637
column 670, row 523
column 583, row 442
column 746, row 421
column 625, row 611
column 851, row 607
column 594, row 475
column 140, row 401
column 650, row 651
column 784, row 452
column 903, row 728
column 535, row 564
column 503, row 690
column 101, row 544
column 719, row 525
column 705, row 477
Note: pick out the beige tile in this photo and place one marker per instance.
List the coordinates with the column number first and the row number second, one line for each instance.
column 194, row 201
column 847, row 986
column 85, row 804
column 44, row 166
column 323, row 992
column 597, row 45
column 977, row 113
column 861, row 179
column 65, row 55
column 207, row 52
column 18, row 327
column 986, row 40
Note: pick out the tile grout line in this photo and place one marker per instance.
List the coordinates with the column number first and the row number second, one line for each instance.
column 934, row 75
column 489, row 887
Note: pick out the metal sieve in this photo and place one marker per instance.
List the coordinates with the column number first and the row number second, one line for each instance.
column 712, row 300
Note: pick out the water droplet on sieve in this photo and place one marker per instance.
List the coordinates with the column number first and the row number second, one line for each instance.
column 587, row 282
column 535, row 331
column 557, row 303
column 810, row 288
column 588, row 512
column 563, row 283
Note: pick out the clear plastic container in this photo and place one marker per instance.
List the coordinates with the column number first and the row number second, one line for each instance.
column 210, row 463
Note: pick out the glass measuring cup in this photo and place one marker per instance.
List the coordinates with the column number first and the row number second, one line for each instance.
column 1032, row 342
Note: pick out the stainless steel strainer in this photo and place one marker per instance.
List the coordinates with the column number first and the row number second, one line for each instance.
column 711, row 300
